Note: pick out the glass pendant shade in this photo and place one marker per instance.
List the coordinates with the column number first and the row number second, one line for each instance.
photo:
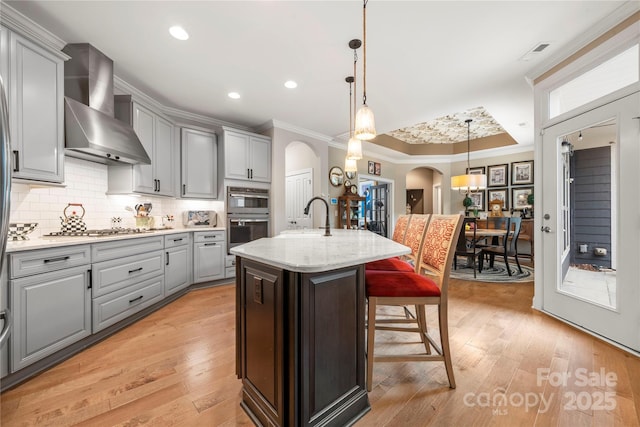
column 468, row 183
column 365, row 124
column 350, row 165
column 354, row 149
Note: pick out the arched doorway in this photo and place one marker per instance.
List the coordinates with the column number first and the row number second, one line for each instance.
column 423, row 187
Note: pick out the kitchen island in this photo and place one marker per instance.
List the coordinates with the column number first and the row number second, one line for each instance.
column 300, row 325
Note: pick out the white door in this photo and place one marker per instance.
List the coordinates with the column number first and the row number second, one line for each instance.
column 299, row 187
column 580, row 285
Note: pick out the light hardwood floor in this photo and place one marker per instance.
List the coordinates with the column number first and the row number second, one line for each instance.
column 176, row 367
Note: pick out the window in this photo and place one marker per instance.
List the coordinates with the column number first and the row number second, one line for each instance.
column 616, row 73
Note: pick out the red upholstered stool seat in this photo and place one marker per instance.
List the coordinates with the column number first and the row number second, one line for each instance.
column 390, row 264
column 399, row 284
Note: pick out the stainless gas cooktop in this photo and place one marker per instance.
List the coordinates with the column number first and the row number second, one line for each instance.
column 99, row 233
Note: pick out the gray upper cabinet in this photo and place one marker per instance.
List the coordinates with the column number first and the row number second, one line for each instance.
column 34, row 81
column 199, row 164
column 247, row 156
column 156, row 135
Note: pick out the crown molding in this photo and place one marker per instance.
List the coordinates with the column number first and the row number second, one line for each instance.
column 277, row 124
column 625, row 11
column 199, row 118
column 15, row 21
column 174, row 113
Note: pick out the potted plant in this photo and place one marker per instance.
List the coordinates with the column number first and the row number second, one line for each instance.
column 467, row 202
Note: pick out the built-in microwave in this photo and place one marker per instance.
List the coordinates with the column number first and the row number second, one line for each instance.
column 247, row 200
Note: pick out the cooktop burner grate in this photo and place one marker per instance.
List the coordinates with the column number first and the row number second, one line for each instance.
column 98, row 233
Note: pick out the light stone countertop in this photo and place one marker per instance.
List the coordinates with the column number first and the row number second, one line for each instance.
column 310, row 251
column 46, row 242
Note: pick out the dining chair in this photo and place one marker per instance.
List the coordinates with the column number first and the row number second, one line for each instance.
column 428, row 286
column 413, row 237
column 508, row 247
column 466, row 246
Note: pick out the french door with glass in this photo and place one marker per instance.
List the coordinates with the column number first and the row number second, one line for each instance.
column 590, row 225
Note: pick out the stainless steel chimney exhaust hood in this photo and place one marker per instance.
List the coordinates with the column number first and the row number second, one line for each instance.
column 91, row 131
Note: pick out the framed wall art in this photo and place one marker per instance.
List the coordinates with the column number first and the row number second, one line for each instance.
column 519, row 197
column 522, row 173
column 476, row 171
column 478, row 200
column 498, row 176
column 371, row 167
column 377, row 169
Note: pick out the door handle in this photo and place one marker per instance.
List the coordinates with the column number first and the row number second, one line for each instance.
column 546, row 229
column 16, row 158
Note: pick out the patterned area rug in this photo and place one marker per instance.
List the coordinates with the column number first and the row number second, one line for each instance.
column 497, row 274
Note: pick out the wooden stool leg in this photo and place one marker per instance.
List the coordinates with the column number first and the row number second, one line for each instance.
column 371, row 334
column 444, row 341
column 422, row 325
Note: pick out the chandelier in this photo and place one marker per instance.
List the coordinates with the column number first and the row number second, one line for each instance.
column 469, row 183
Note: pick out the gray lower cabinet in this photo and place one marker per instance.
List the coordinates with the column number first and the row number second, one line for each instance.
column 61, row 295
column 177, row 268
column 209, row 253
column 128, row 277
column 51, row 311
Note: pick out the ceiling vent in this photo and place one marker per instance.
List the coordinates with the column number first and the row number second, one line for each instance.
column 537, row 50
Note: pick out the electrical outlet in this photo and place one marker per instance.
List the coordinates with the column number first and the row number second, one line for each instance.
column 257, row 290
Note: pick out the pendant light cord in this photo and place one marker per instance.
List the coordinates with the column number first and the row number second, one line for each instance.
column 352, row 113
column 364, row 52
column 468, row 145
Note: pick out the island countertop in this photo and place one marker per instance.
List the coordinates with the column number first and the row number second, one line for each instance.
column 309, row 251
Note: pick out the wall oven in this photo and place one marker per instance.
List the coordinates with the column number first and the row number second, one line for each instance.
column 247, row 215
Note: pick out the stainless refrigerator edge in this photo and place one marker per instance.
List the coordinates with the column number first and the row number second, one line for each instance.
column 5, row 190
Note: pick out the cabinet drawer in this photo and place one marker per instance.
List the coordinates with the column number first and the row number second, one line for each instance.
column 118, row 305
column 115, row 274
column 174, row 240
column 208, row 236
column 230, row 272
column 45, row 260
column 122, row 248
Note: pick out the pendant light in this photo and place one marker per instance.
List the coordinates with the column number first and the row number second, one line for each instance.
column 350, row 162
column 365, row 122
column 354, row 147
column 469, row 183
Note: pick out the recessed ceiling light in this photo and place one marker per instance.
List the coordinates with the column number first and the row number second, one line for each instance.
column 234, row 95
column 290, row 84
column 178, row 32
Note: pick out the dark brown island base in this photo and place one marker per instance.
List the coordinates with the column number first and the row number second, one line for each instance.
column 300, row 333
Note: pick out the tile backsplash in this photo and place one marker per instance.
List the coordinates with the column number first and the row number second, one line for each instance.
column 86, row 183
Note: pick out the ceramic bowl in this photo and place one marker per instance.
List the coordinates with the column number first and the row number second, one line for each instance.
column 19, row 230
